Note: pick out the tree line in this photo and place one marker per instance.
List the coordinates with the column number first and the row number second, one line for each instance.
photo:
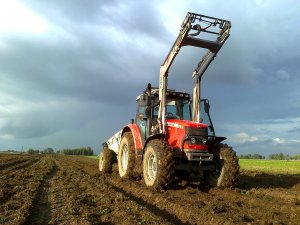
column 279, row 156
column 78, row 151
column 75, row 151
column 36, row 151
column 252, row 156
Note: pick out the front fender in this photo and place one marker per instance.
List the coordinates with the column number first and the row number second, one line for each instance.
column 155, row 136
column 137, row 137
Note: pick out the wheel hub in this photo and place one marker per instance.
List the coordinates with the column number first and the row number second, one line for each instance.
column 152, row 167
column 101, row 159
column 124, row 158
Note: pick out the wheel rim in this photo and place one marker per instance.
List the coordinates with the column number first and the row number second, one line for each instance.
column 124, row 158
column 151, row 167
column 101, row 159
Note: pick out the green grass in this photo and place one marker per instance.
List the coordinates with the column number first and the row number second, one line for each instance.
column 262, row 165
column 271, row 166
column 92, row 156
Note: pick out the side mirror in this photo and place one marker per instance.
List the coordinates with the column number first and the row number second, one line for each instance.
column 211, row 128
column 206, row 106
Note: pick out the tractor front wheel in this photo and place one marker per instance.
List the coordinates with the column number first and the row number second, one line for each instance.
column 126, row 156
column 158, row 164
column 227, row 167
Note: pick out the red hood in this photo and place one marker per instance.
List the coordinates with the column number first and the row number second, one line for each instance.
column 184, row 123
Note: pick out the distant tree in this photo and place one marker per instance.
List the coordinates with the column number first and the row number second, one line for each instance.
column 251, row 156
column 257, row 156
column 295, row 157
column 78, row 151
column 48, row 151
column 30, row 151
column 36, row 151
column 279, row 156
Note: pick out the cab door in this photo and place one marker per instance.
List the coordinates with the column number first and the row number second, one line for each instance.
column 141, row 121
column 141, row 118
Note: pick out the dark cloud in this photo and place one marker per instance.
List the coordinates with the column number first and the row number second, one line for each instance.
column 295, row 130
column 82, row 76
column 133, row 17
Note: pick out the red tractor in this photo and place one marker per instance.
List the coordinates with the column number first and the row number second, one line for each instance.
column 172, row 133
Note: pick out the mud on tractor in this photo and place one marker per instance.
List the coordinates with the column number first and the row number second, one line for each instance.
column 172, row 133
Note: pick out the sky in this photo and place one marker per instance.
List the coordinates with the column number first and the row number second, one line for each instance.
column 70, row 71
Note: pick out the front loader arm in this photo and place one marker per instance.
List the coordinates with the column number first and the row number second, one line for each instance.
column 185, row 28
column 214, row 32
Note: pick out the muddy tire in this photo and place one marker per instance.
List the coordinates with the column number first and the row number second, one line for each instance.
column 227, row 167
column 126, row 156
column 106, row 160
column 158, row 164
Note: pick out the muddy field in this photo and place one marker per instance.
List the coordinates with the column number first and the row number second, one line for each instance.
column 57, row 189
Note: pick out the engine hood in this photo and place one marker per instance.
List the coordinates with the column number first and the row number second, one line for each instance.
column 184, row 123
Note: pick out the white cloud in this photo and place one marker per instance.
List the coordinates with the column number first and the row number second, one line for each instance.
column 278, row 141
column 15, row 17
column 242, row 138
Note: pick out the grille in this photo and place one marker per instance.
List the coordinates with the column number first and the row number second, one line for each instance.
column 191, row 131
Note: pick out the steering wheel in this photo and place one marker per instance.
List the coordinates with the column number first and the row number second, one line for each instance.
column 169, row 114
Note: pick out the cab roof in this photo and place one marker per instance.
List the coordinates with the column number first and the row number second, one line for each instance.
column 171, row 93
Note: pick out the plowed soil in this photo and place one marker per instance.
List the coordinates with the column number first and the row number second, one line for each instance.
column 56, row 189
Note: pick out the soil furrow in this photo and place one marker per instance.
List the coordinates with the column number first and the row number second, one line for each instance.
column 172, row 218
column 8, row 171
column 15, row 181
column 40, row 212
column 9, row 164
column 61, row 189
column 191, row 204
column 133, row 208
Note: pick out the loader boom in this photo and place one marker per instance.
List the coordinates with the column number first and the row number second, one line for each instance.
column 214, row 32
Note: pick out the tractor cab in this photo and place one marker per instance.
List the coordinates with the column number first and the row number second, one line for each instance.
column 178, row 114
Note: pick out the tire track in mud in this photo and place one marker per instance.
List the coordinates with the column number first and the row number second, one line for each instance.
column 10, row 188
column 190, row 204
column 116, row 199
column 172, row 218
column 162, row 216
column 176, row 210
column 70, row 203
column 40, row 212
column 214, row 207
column 70, row 190
column 154, row 202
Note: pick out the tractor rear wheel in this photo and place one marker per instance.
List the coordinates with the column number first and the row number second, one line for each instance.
column 106, row 160
column 158, row 164
column 126, row 156
column 227, row 167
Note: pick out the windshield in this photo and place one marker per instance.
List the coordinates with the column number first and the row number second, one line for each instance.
column 178, row 109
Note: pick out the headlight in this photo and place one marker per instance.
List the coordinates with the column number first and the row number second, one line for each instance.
column 193, row 140
column 198, row 140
